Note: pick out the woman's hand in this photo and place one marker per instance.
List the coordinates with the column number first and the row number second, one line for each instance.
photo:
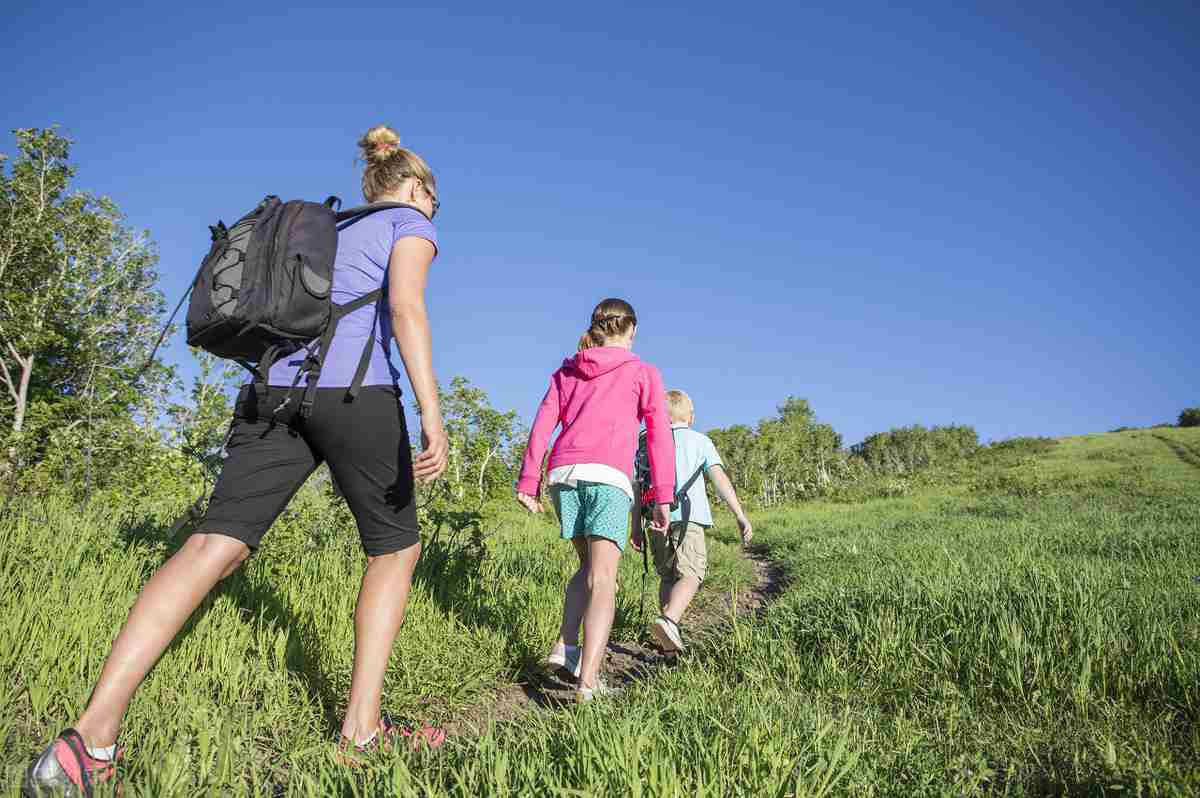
column 530, row 503
column 435, row 450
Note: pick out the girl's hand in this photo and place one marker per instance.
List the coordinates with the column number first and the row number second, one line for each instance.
column 435, row 449
column 530, row 503
column 661, row 520
column 635, row 539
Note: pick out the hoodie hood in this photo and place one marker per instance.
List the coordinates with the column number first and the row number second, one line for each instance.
column 591, row 363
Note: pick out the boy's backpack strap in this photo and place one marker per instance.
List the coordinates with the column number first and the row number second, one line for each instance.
column 691, row 481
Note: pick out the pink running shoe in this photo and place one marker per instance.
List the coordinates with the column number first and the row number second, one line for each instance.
column 66, row 765
column 352, row 754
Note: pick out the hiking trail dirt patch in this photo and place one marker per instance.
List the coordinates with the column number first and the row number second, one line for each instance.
column 625, row 662
column 1187, row 454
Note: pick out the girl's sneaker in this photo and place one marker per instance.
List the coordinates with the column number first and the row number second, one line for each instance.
column 601, row 690
column 668, row 634
column 564, row 664
column 67, row 765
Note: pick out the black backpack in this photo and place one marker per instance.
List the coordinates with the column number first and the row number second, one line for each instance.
column 681, row 501
column 262, row 291
column 641, row 469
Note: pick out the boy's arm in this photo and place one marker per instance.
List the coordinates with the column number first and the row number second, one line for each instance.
column 729, row 496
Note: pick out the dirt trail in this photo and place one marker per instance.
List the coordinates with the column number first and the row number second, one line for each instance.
column 1184, row 452
column 625, row 662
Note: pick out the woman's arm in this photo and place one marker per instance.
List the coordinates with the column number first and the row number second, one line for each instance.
column 408, row 271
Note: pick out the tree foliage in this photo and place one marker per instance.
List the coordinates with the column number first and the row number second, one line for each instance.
column 904, row 450
column 1190, row 417
column 79, row 306
column 785, row 458
column 485, row 449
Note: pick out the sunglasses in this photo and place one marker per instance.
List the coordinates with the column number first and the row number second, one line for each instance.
column 437, row 204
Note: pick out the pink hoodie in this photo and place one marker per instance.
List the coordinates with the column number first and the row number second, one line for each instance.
column 600, row 397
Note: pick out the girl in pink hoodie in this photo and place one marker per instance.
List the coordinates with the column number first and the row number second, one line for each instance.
column 600, row 397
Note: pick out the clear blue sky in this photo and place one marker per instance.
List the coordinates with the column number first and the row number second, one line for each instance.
column 947, row 215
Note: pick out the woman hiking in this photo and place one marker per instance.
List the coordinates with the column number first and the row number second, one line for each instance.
column 270, row 455
column 600, row 396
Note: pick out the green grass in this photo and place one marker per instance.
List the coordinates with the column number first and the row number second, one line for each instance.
column 1024, row 623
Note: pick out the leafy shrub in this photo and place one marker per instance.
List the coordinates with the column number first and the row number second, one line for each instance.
column 1190, row 417
column 1023, row 484
column 1024, row 445
column 907, row 449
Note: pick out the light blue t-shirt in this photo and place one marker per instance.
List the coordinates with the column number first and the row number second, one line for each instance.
column 361, row 265
column 692, row 450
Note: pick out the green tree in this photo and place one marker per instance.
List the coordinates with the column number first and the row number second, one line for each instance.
column 485, row 446
column 1190, row 417
column 79, row 309
column 199, row 426
column 785, row 458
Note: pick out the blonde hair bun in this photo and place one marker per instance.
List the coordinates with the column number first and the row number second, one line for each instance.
column 379, row 144
column 389, row 164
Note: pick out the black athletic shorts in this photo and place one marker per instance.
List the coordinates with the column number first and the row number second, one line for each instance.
column 365, row 443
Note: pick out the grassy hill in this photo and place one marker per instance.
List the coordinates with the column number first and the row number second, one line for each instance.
column 1021, row 623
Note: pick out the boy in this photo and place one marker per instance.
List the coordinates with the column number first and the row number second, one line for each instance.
column 680, row 556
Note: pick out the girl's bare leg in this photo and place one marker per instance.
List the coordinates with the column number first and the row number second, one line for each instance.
column 575, row 599
column 603, row 558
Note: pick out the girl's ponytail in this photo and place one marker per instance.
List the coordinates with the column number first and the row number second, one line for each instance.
column 612, row 318
column 589, row 340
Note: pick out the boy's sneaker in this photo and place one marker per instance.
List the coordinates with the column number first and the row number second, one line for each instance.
column 601, row 690
column 67, row 765
column 564, row 664
column 668, row 634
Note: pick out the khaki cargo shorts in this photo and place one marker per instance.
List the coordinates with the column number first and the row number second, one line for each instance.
column 688, row 557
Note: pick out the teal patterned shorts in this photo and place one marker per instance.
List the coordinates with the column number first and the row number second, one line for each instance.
column 592, row 508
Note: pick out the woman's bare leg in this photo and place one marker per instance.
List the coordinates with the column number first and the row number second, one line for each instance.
column 382, row 601
column 165, row 604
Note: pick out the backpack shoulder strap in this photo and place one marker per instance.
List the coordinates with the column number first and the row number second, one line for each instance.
column 317, row 359
column 682, row 500
column 691, row 481
column 352, row 215
column 364, row 361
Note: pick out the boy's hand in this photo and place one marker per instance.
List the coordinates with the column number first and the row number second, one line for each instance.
column 747, row 530
column 661, row 520
column 530, row 503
